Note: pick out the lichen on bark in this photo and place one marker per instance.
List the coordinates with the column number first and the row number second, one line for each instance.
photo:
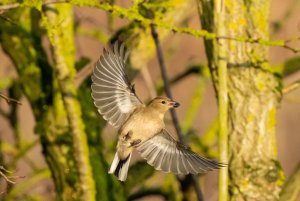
column 254, row 95
column 254, row 170
column 60, row 32
column 22, row 43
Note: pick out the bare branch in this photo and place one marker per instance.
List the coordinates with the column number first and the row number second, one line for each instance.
column 16, row 5
column 9, row 6
column 10, row 100
column 124, row 13
column 169, row 94
column 83, row 74
column 6, row 178
column 167, row 87
column 3, row 172
column 291, row 87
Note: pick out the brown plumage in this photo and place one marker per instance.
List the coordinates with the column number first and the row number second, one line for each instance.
column 139, row 126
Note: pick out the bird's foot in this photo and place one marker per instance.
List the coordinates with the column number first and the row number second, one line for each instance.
column 127, row 136
column 135, row 142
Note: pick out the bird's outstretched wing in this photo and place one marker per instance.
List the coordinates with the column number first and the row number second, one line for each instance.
column 166, row 154
column 112, row 92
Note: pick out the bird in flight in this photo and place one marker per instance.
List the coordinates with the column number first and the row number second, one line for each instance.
column 140, row 126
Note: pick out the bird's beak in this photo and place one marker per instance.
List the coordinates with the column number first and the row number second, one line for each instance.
column 174, row 104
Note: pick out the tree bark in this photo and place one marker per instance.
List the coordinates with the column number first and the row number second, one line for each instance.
column 61, row 35
column 253, row 96
column 40, row 87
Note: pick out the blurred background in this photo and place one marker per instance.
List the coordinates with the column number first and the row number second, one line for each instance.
column 180, row 51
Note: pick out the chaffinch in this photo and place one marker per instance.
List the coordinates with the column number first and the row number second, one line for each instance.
column 140, row 126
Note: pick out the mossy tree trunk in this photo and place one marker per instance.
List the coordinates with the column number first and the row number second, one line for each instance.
column 253, row 97
column 61, row 35
column 38, row 84
column 49, row 96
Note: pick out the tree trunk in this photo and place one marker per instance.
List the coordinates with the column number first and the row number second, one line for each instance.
column 37, row 83
column 253, row 96
column 22, row 44
column 62, row 40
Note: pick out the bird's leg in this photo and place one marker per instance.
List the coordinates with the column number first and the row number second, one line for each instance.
column 128, row 136
column 135, row 142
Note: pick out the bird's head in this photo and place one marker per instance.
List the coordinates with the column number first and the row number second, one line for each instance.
column 163, row 104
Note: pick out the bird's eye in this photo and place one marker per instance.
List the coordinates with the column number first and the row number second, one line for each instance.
column 163, row 102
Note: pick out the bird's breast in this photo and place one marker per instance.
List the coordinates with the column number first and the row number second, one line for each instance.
column 142, row 126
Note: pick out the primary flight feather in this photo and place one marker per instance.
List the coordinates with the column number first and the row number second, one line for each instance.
column 140, row 126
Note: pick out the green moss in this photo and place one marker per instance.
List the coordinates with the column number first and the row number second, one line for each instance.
column 132, row 14
column 271, row 120
column 281, row 177
column 33, row 3
column 92, row 121
column 72, row 176
column 250, row 118
column 260, row 81
column 271, row 125
column 272, row 175
column 5, row 82
column 3, row 2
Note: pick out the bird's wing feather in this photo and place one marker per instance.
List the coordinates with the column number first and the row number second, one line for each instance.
column 167, row 154
column 112, row 92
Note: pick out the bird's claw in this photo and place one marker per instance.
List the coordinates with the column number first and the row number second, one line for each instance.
column 135, row 142
column 127, row 136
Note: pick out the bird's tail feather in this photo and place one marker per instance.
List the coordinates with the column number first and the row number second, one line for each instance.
column 120, row 167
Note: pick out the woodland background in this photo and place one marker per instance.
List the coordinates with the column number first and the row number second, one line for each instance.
column 47, row 69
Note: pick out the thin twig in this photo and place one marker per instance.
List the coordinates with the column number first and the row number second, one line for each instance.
column 275, row 43
column 195, row 69
column 23, row 187
column 2, row 173
column 5, row 170
column 169, row 94
column 10, row 100
column 181, row 76
column 6, row 178
column 167, row 87
column 291, row 87
column 135, row 16
column 197, row 188
column 9, row 6
column 6, row 18
column 16, row 5
column 83, row 74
